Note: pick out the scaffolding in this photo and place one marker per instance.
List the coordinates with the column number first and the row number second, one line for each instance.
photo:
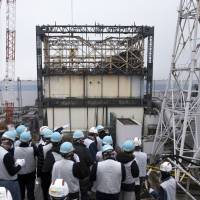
column 94, row 50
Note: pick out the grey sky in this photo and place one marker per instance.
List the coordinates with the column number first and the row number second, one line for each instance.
column 158, row 13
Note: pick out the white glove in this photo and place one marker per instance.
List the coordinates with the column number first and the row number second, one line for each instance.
column 20, row 162
column 150, row 190
column 65, row 126
column 76, row 158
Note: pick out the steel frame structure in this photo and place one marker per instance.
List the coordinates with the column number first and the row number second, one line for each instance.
column 94, row 50
column 179, row 122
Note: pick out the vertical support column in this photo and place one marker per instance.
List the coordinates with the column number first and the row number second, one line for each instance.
column 149, row 73
column 39, row 35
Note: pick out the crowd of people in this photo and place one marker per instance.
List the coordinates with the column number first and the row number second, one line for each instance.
column 86, row 166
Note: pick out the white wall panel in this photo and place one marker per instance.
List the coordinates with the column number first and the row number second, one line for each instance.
column 91, row 117
column 110, row 86
column 60, row 116
column 77, row 86
column 100, row 116
column 78, row 118
column 124, row 86
column 50, row 117
column 93, row 86
column 137, row 88
column 59, row 86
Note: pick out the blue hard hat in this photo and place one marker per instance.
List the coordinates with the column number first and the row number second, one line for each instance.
column 47, row 133
column 14, row 133
column 107, row 140
column 56, row 137
column 66, row 147
column 106, row 148
column 128, row 146
column 99, row 128
column 78, row 134
column 25, row 136
column 20, row 129
column 9, row 135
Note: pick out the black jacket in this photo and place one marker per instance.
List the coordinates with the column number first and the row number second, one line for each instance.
column 125, row 158
column 84, row 156
column 49, row 160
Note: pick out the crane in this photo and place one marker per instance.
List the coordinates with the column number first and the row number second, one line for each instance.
column 10, row 58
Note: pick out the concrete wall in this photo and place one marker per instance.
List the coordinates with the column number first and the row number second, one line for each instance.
column 83, row 118
column 108, row 86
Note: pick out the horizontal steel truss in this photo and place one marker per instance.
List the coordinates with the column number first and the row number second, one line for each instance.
column 116, row 29
column 92, row 102
column 89, row 71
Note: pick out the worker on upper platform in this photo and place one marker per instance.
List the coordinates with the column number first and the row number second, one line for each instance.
column 59, row 190
column 141, row 159
column 167, row 189
column 8, row 166
column 132, row 171
column 108, row 175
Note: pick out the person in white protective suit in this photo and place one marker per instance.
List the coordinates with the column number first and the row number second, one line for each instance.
column 141, row 159
column 106, row 140
column 167, row 189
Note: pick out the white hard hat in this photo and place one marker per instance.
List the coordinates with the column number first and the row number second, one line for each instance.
column 166, row 167
column 93, row 130
column 5, row 194
column 58, row 189
column 137, row 141
column 42, row 129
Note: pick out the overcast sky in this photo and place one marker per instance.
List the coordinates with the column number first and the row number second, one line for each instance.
column 158, row 13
